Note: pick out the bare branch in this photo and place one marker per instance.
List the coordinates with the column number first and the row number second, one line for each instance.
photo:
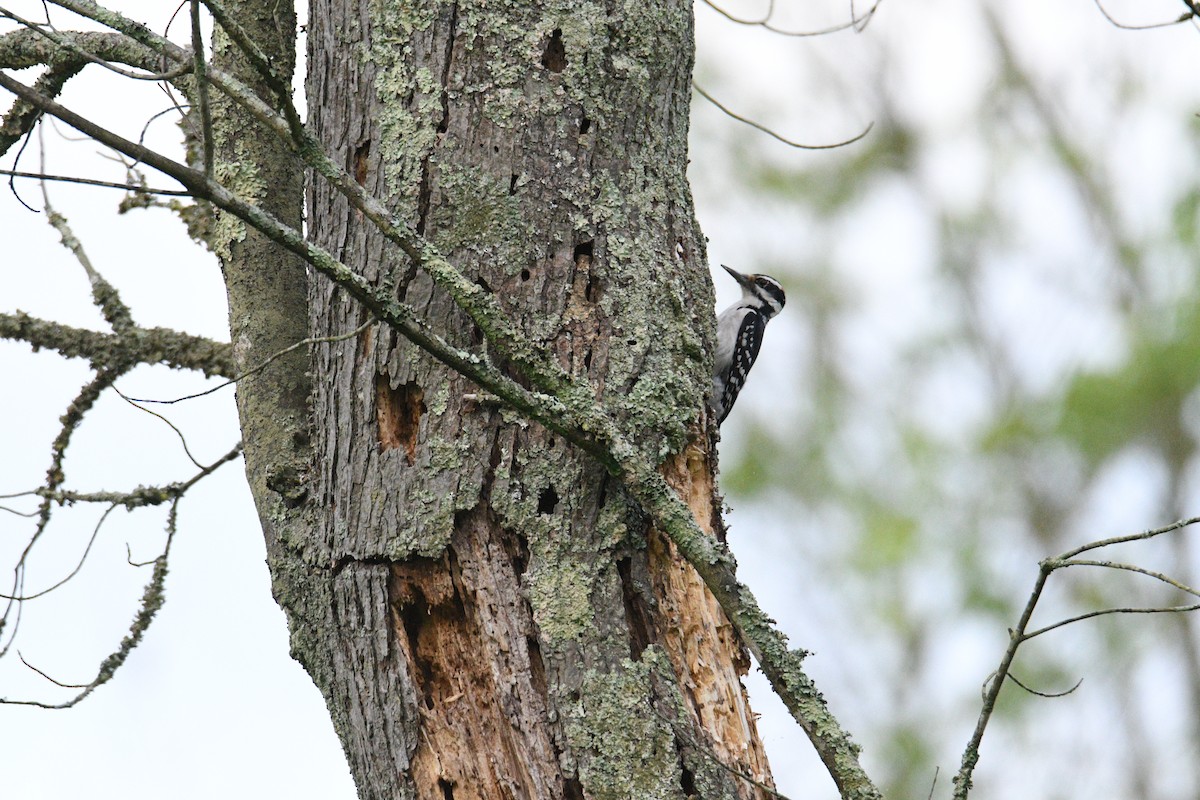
column 21, row 598
column 135, row 189
column 1106, row 611
column 104, row 294
column 1184, row 17
column 266, row 363
column 22, row 117
column 1158, row 576
column 47, row 677
column 152, row 600
column 29, row 48
column 1050, row 695
column 142, row 495
column 55, row 476
column 772, row 133
column 962, row 781
column 1133, row 537
column 1019, row 635
column 68, row 44
column 856, row 23
column 182, row 439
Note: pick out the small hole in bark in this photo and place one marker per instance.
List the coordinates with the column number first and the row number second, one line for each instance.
column 585, row 125
column 537, row 665
column 525, row 275
column 547, row 501
column 518, row 548
column 688, row 782
column 362, row 155
column 587, row 360
column 554, row 57
column 635, row 615
column 414, row 615
column 592, row 292
column 398, row 415
column 572, row 789
column 584, row 249
column 482, row 284
column 512, row 184
column 447, row 789
column 550, row 444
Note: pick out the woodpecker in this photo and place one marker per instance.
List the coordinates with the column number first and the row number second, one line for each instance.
column 739, row 335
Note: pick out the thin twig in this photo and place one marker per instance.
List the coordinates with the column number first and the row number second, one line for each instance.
column 1158, row 576
column 92, row 182
column 1051, row 695
column 1184, row 17
column 1106, row 611
column 47, row 677
column 772, row 133
column 152, row 600
column 266, row 363
column 1133, row 537
column 855, row 23
column 182, row 439
column 91, row 541
column 1019, row 635
column 962, row 781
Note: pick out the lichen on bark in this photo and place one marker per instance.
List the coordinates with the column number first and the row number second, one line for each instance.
column 543, row 151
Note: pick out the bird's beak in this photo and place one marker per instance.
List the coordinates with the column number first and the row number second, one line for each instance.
column 737, row 276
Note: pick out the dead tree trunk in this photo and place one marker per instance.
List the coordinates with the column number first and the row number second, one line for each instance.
column 485, row 612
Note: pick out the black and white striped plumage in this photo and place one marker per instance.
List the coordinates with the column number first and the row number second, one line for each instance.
column 739, row 335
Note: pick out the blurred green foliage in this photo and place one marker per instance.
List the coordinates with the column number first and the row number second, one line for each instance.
column 1024, row 382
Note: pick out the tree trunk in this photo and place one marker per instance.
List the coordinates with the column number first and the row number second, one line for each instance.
column 485, row 612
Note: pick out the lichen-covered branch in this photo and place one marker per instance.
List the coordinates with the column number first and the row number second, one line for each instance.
column 164, row 346
column 25, row 48
column 152, row 600
column 111, row 355
column 29, row 48
column 22, row 117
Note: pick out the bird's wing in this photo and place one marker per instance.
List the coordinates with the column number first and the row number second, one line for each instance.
column 745, row 351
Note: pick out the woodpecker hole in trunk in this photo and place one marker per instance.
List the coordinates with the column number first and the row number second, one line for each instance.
column 398, row 414
column 554, row 57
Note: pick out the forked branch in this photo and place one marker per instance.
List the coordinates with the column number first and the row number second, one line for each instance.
column 1021, row 633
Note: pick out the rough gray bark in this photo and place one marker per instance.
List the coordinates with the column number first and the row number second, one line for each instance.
column 479, row 604
column 266, row 286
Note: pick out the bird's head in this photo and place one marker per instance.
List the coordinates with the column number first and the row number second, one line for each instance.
column 762, row 290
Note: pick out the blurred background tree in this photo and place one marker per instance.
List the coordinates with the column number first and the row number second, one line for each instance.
column 991, row 354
